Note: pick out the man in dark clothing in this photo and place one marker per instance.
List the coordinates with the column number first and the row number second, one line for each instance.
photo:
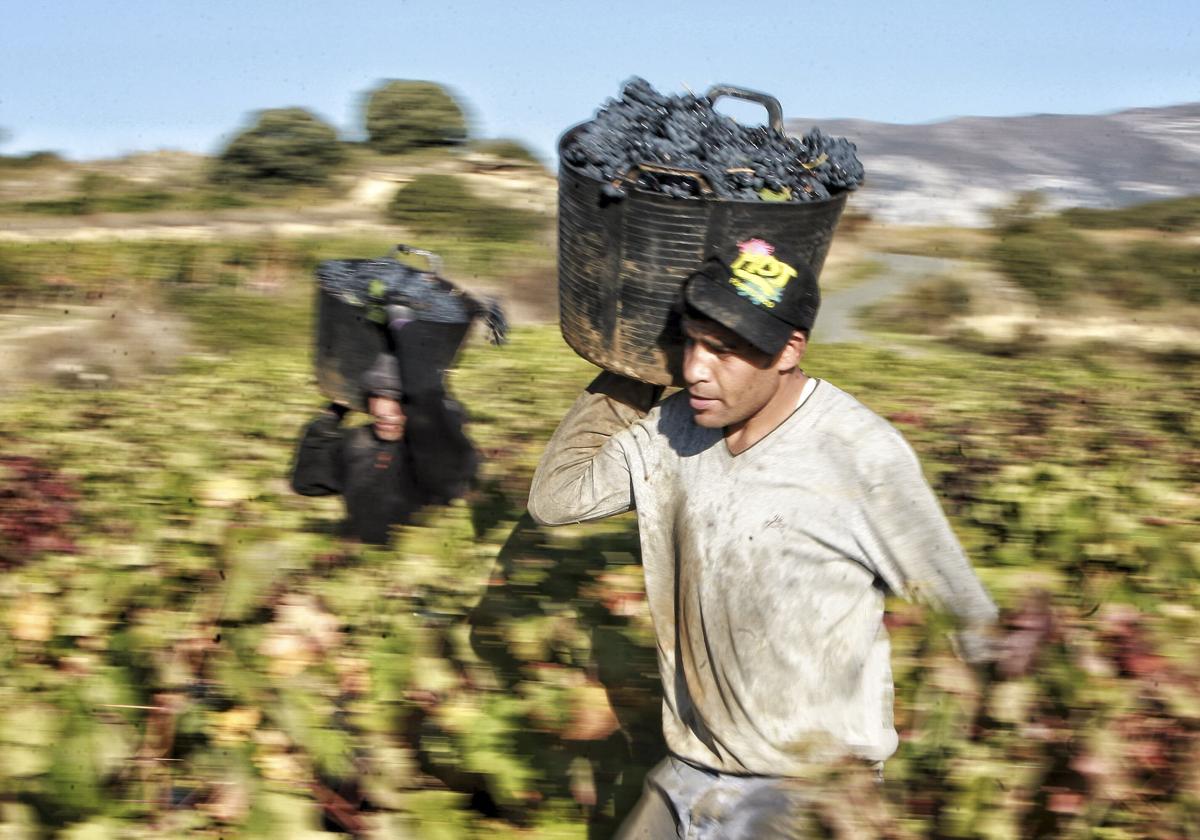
column 414, row 453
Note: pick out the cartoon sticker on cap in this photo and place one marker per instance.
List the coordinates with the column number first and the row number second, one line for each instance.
column 758, row 274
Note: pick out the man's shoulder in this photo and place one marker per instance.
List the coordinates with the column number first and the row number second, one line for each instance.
column 673, row 418
column 847, row 422
column 670, row 427
column 675, row 408
column 669, row 416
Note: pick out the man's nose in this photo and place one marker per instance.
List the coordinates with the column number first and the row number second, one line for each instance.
column 695, row 364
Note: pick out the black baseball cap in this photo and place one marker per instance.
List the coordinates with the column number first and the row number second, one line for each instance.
column 382, row 378
column 761, row 291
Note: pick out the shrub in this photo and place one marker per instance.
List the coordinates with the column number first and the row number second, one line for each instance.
column 1049, row 257
column 404, row 115
column 285, row 146
column 1144, row 274
column 926, row 308
column 1036, row 260
column 442, row 204
column 30, row 160
column 1172, row 214
column 1178, row 268
column 506, row 148
column 15, row 276
column 1040, row 253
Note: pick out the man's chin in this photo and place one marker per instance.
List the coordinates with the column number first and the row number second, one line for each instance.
column 707, row 419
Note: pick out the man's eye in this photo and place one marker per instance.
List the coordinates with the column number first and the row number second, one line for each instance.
column 690, row 343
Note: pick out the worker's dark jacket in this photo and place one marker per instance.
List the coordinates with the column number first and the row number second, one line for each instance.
column 382, row 482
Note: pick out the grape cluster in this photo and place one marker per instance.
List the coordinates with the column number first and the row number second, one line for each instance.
column 368, row 282
column 685, row 132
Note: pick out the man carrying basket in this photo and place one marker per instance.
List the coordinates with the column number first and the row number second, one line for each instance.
column 775, row 512
column 414, row 453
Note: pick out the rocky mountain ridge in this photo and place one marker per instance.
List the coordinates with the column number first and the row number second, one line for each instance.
column 955, row 171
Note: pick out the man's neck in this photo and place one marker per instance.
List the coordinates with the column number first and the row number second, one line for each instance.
column 741, row 436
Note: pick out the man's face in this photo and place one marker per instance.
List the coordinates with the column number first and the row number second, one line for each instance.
column 728, row 379
column 388, row 417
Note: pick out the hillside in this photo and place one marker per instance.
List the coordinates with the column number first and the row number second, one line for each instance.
column 954, row 171
column 951, row 172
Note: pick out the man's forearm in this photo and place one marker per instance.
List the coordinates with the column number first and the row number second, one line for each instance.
column 580, row 476
column 911, row 545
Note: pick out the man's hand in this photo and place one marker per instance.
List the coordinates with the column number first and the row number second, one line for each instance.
column 978, row 646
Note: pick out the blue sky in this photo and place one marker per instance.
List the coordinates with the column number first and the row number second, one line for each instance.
column 97, row 78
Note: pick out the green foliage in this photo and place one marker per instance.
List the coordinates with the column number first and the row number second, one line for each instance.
column 1036, row 251
column 15, row 276
column 284, row 147
column 402, row 115
column 1048, row 256
column 925, row 309
column 30, row 160
column 1034, row 262
column 99, row 193
column 1174, row 269
column 433, row 204
column 73, row 780
column 482, row 651
column 1170, row 215
column 191, row 271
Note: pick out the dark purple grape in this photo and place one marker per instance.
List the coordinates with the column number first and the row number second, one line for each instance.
column 684, row 132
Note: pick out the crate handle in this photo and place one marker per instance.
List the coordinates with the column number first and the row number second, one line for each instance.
column 435, row 262
column 701, row 181
column 774, row 111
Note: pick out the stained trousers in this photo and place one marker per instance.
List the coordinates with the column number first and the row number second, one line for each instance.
column 683, row 802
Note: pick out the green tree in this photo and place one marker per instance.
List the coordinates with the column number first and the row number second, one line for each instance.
column 403, row 115
column 285, row 146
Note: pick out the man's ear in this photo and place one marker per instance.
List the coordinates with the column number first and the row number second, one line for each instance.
column 792, row 352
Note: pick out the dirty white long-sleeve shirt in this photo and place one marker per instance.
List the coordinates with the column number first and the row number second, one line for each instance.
column 766, row 571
